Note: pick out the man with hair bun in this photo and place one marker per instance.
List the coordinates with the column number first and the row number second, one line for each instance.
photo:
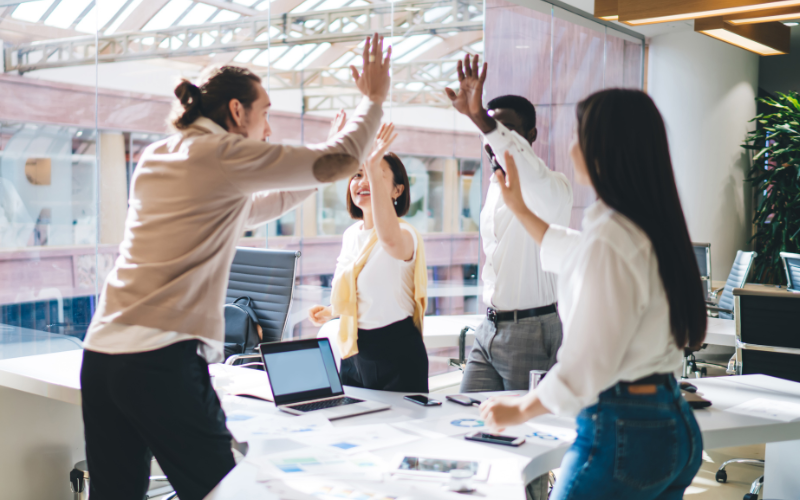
column 144, row 382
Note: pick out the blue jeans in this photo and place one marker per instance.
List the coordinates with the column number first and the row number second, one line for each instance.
column 632, row 446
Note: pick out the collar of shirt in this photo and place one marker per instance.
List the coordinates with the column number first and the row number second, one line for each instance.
column 209, row 125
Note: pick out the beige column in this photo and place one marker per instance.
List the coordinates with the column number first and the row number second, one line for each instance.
column 113, row 187
column 451, row 201
column 309, row 214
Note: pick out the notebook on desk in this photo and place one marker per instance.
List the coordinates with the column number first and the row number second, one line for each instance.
column 304, row 379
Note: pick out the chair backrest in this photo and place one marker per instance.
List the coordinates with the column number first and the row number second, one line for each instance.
column 736, row 279
column 267, row 277
column 768, row 332
column 702, row 252
column 791, row 262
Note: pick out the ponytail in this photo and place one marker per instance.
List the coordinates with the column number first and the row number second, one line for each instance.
column 212, row 98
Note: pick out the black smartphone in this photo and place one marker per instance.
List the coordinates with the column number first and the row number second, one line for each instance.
column 422, row 400
column 462, row 400
column 484, row 437
column 493, row 160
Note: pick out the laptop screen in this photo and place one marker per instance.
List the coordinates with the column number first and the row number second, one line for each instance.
column 301, row 370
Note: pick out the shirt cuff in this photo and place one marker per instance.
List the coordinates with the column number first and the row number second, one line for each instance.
column 557, row 397
column 499, row 139
column 554, row 247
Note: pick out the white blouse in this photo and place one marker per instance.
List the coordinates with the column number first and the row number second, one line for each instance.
column 613, row 307
column 385, row 285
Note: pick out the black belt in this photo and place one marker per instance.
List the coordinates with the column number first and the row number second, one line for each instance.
column 654, row 379
column 496, row 316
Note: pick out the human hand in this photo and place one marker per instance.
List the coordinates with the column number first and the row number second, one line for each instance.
column 319, row 315
column 501, row 412
column 338, row 123
column 468, row 101
column 509, row 186
column 385, row 138
column 374, row 80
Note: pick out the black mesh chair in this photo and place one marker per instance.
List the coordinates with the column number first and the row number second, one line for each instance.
column 736, row 279
column 702, row 252
column 267, row 277
column 791, row 262
column 766, row 343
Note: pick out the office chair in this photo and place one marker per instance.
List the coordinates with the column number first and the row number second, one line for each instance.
column 736, row 279
column 766, row 343
column 724, row 308
column 791, row 262
column 702, row 252
column 267, row 277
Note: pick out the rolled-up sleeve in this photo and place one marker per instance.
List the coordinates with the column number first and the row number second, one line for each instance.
column 269, row 205
column 557, row 243
column 547, row 193
column 606, row 307
column 253, row 166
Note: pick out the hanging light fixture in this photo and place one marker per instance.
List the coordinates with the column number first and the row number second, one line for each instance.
column 764, row 16
column 607, row 10
column 637, row 12
column 766, row 39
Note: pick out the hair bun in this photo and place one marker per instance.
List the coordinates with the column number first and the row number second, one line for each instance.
column 187, row 93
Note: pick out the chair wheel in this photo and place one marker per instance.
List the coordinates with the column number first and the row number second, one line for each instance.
column 721, row 476
column 750, row 496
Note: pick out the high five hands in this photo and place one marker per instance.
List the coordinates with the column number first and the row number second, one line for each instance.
column 374, row 79
column 469, row 99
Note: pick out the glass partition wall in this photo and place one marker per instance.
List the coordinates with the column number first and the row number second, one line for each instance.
column 88, row 85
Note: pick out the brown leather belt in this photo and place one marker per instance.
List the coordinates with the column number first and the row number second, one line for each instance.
column 496, row 316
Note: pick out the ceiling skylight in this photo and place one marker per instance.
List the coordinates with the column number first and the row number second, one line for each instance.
column 66, row 12
column 246, row 55
column 31, row 11
column 312, row 55
column 224, row 16
column 199, row 14
column 121, row 17
column 167, row 16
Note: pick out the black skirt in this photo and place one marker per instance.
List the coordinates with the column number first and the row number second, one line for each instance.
column 392, row 358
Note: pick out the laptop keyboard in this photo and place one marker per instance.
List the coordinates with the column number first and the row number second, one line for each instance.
column 330, row 403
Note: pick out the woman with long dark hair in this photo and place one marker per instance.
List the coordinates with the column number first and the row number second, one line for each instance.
column 630, row 296
column 380, row 284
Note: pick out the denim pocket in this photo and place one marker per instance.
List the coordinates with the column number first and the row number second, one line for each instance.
column 646, row 453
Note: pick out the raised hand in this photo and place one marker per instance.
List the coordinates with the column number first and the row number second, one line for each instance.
column 509, row 185
column 374, row 79
column 468, row 100
column 338, row 123
column 385, row 138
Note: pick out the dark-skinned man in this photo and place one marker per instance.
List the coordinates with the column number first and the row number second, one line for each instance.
column 521, row 331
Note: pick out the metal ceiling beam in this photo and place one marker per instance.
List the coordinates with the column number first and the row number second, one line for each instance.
column 348, row 24
column 335, row 102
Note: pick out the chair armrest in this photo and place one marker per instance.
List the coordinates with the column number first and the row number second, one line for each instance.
column 719, row 309
column 236, row 357
column 714, row 293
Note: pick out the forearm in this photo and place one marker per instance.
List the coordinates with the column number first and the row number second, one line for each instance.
column 270, row 205
column 532, row 407
column 391, row 237
column 534, row 226
column 483, row 121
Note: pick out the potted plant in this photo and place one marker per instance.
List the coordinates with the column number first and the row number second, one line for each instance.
column 775, row 175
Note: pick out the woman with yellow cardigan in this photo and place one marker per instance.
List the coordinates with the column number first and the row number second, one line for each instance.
column 380, row 285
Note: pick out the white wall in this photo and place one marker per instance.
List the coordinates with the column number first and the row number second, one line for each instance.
column 705, row 89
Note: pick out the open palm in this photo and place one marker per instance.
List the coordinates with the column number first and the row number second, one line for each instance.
column 468, row 100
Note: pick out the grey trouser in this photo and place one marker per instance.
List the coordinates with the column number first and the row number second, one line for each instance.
column 502, row 358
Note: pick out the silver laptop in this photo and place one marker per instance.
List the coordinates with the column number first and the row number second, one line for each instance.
column 304, row 380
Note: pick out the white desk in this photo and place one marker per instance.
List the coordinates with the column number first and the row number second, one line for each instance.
column 721, row 332
column 719, row 428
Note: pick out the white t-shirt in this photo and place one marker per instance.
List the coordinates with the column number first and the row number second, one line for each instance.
column 385, row 285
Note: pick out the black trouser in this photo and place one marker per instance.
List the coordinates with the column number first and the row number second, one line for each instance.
column 158, row 402
column 392, row 358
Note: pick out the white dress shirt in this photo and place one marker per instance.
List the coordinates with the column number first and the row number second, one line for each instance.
column 385, row 286
column 512, row 274
column 613, row 307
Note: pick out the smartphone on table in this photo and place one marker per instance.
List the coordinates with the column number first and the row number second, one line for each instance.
column 422, row 400
column 485, row 437
column 462, row 400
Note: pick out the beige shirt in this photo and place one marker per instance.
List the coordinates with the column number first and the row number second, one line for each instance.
column 192, row 196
